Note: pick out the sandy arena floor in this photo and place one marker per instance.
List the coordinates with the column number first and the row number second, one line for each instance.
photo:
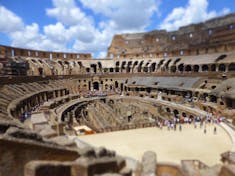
column 170, row 146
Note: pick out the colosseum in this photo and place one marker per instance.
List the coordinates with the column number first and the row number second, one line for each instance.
column 161, row 103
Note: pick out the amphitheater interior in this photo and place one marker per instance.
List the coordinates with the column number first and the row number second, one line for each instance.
column 147, row 79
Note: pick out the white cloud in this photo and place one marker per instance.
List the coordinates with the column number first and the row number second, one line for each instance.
column 57, row 32
column 127, row 15
column 193, row 12
column 66, row 12
column 29, row 37
column 9, row 22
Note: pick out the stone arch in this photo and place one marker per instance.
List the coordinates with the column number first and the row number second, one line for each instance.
column 111, row 70
column 231, row 67
column 184, row 114
column 196, row 68
column 221, row 57
column 160, row 63
column 167, row 64
column 176, row 113
column 181, row 67
column 117, row 66
column 128, row 68
column 80, row 64
column 176, row 61
column 140, row 66
column 222, row 67
column 188, row 68
column 93, row 67
column 213, row 67
column 123, row 65
column 61, row 64
column 153, row 67
column 96, row 85
column 116, row 84
column 205, row 68
column 134, row 65
column 100, row 66
column 40, row 71
column 173, row 69
column 106, row 86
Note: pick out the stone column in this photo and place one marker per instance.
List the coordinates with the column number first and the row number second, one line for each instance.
column 149, row 163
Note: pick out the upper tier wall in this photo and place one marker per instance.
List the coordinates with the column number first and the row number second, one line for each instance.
column 8, row 52
column 216, row 35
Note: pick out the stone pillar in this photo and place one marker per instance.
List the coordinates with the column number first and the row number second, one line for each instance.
column 149, row 163
column 54, row 94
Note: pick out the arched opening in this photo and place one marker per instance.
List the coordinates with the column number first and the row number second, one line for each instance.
column 160, row 63
column 213, row 99
column 153, row 67
column 176, row 61
column 173, row 69
column 213, row 67
column 167, row 64
column 176, row 113
column 188, row 68
column 123, row 66
column 128, row 68
column 96, row 85
column 80, row 65
column 40, row 70
column 106, row 86
column 222, row 67
column 168, row 110
column 140, row 66
column 122, row 86
column 117, row 67
column 231, row 67
column 60, row 62
column 116, row 84
column 100, row 66
column 196, row 68
column 93, row 66
column 111, row 70
column 148, row 89
column 134, row 65
column 221, row 57
column 181, row 67
column 205, row 68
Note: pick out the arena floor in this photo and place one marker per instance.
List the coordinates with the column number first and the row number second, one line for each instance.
column 170, row 146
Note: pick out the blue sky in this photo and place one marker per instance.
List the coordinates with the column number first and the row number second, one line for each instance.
column 89, row 25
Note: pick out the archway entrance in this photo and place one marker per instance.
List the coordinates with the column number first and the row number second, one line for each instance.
column 95, row 85
column 40, row 70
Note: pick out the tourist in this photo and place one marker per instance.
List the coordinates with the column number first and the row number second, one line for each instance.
column 215, row 130
column 204, row 130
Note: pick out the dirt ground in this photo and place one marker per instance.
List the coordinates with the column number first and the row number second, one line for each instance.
column 170, row 146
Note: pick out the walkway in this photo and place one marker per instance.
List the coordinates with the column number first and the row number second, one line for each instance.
column 231, row 134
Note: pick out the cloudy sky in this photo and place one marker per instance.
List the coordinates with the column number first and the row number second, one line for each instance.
column 89, row 25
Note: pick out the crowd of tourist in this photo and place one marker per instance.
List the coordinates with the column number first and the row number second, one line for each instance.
column 197, row 122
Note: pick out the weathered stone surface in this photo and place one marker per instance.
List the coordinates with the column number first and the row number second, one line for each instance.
column 227, row 170
column 40, row 168
column 16, row 152
column 149, row 163
column 88, row 152
column 23, row 134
